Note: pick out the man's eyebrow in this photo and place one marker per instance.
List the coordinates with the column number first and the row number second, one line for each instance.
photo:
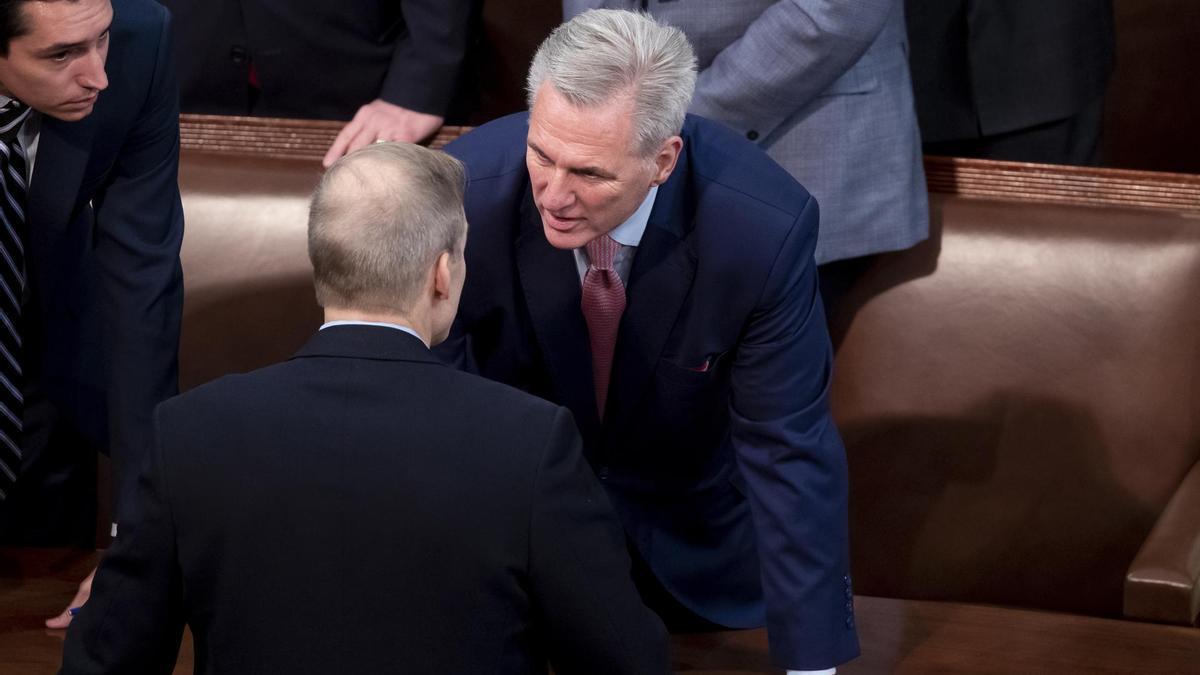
column 588, row 170
column 68, row 46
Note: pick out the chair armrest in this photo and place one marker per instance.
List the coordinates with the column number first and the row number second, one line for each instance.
column 1163, row 582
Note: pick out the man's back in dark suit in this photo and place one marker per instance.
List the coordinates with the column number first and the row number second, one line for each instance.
column 362, row 507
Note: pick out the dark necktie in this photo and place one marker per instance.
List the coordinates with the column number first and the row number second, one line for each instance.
column 602, row 304
column 12, row 282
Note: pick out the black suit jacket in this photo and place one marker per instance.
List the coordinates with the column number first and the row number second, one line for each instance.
column 101, row 323
column 319, row 58
column 982, row 67
column 363, row 508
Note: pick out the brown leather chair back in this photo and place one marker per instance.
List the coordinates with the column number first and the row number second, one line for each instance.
column 1019, row 397
column 248, row 298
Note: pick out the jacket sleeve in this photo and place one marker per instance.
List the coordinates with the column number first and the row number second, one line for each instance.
column 786, row 58
column 579, row 573
column 793, row 461
column 133, row 621
column 429, row 54
column 138, row 232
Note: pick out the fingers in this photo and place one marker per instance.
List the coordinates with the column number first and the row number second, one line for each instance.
column 341, row 142
column 81, row 597
column 367, row 134
column 382, row 121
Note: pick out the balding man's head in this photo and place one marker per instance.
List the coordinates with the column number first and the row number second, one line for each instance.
column 379, row 221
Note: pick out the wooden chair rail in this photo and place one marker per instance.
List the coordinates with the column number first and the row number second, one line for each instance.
column 270, row 137
column 985, row 179
column 1056, row 184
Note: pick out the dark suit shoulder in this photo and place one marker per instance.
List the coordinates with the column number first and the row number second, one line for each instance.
column 494, row 149
column 738, row 192
column 718, row 155
column 140, row 71
column 135, row 17
column 500, row 398
column 473, row 399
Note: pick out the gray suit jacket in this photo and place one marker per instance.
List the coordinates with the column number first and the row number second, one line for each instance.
column 823, row 86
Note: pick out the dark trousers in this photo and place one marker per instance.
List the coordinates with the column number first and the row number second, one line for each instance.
column 54, row 500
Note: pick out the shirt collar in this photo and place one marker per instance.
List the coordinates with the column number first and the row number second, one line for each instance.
column 404, row 329
column 629, row 233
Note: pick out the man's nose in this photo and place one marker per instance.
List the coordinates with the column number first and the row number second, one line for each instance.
column 558, row 194
column 92, row 75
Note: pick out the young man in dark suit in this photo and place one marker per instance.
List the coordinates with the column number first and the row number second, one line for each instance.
column 654, row 273
column 362, row 507
column 89, row 257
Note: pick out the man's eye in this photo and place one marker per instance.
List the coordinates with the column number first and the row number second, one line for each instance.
column 60, row 57
column 103, row 37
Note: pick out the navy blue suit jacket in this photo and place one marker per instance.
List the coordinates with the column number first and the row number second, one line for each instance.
column 104, row 230
column 718, row 449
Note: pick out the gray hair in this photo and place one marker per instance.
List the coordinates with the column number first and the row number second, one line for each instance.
column 379, row 218
column 605, row 53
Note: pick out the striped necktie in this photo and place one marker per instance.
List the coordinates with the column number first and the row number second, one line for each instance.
column 12, row 283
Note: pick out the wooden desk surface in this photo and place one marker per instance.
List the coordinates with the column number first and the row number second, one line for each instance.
column 898, row 636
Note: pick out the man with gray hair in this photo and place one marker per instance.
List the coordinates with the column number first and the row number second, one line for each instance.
column 654, row 273
column 362, row 507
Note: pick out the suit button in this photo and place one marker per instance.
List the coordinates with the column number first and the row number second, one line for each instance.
column 752, row 135
column 849, row 606
column 849, row 622
column 849, row 594
column 602, row 473
column 237, row 54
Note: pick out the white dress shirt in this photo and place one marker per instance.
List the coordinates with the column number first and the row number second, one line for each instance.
column 30, row 132
column 382, row 324
column 628, row 234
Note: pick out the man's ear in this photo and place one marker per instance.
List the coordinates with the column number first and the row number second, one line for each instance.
column 664, row 161
column 441, row 276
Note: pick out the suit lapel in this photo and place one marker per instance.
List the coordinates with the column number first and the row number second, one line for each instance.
column 550, row 282
column 62, row 156
column 661, row 278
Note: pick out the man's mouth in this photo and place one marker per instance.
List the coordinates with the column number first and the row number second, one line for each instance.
column 86, row 100
column 560, row 223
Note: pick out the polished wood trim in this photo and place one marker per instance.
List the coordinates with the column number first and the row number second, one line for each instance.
column 271, row 137
column 1056, row 184
column 897, row 636
column 972, row 178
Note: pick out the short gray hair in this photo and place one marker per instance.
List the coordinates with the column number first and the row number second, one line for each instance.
column 604, row 53
column 379, row 218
